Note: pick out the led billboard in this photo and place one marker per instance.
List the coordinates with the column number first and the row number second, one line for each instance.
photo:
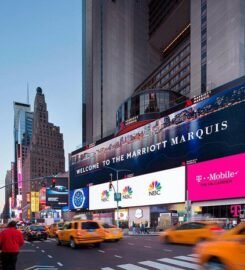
column 57, row 194
column 79, row 199
column 150, row 189
column 209, row 129
column 221, row 178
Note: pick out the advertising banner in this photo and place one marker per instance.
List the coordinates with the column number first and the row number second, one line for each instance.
column 79, row 198
column 19, row 166
column 43, row 196
column 57, row 194
column 151, row 189
column 35, row 201
column 221, row 178
column 209, row 129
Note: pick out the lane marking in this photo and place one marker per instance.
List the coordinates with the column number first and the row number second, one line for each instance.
column 185, row 258
column 131, row 267
column 131, row 244
column 107, row 268
column 147, row 247
column 43, row 251
column 193, row 255
column 59, row 263
column 41, row 267
column 160, row 266
column 50, row 256
column 37, row 247
column 180, row 263
column 102, row 251
column 117, row 256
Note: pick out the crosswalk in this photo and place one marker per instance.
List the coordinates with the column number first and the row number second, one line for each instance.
column 49, row 240
column 176, row 263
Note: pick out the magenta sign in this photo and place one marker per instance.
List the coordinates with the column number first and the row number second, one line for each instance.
column 217, row 179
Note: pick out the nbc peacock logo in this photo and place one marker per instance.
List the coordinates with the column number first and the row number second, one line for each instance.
column 154, row 188
column 127, row 192
column 105, row 196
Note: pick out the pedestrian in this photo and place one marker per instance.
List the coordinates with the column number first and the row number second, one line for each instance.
column 142, row 228
column 11, row 240
column 134, row 228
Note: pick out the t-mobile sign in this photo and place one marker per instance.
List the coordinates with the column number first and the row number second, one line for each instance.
column 221, row 178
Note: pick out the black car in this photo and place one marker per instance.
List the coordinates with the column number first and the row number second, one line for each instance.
column 35, row 232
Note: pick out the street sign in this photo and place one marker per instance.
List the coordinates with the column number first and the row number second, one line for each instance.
column 117, row 197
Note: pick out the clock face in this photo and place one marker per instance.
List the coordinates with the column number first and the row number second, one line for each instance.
column 78, row 198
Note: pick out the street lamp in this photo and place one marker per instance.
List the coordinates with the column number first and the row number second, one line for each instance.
column 117, row 195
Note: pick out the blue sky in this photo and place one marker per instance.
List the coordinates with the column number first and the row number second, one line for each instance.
column 41, row 44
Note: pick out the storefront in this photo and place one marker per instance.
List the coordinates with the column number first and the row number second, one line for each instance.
column 140, row 197
column 216, row 187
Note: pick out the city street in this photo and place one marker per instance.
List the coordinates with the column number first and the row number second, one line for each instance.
column 131, row 253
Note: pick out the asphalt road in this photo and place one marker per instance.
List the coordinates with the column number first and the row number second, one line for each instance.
column 131, row 253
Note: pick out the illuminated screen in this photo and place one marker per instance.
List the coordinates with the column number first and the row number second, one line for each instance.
column 79, row 198
column 155, row 188
column 210, row 129
column 217, row 179
column 57, row 196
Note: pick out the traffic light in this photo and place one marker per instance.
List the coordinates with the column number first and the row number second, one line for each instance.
column 53, row 183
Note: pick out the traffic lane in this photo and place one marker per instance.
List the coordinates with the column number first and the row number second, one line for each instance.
column 129, row 250
column 32, row 254
column 140, row 248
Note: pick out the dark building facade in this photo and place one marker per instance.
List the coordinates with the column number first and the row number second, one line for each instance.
column 45, row 155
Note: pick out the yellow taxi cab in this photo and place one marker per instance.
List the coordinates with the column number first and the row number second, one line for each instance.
column 223, row 254
column 53, row 228
column 78, row 232
column 191, row 232
column 112, row 232
column 237, row 232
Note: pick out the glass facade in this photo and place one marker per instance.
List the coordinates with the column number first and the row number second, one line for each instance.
column 23, row 119
column 203, row 45
column 173, row 73
column 148, row 103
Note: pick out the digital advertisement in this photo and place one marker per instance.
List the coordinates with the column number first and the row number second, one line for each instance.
column 217, row 179
column 210, row 129
column 151, row 189
column 57, row 192
column 79, row 199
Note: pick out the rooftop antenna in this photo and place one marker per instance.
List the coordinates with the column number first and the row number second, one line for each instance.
column 27, row 93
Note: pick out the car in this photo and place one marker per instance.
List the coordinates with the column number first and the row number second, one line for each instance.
column 191, row 232
column 112, row 232
column 237, row 232
column 53, row 228
column 35, row 232
column 222, row 254
column 78, row 232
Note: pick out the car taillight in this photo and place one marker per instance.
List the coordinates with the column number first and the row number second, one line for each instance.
column 216, row 229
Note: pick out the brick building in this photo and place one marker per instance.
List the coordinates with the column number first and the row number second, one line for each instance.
column 45, row 155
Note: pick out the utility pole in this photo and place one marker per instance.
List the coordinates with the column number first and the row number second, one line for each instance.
column 117, row 195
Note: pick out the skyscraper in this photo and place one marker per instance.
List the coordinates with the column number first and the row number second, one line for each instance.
column 22, row 137
column 186, row 46
column 45, row 155
column 117, row 57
